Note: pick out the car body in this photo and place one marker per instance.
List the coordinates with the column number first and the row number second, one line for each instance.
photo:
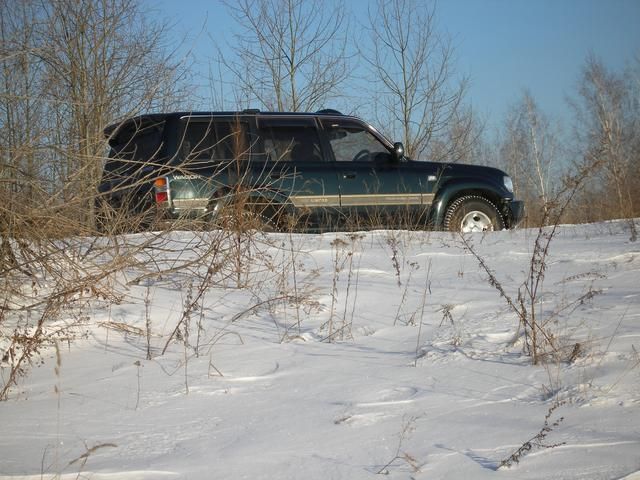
column 308, row 171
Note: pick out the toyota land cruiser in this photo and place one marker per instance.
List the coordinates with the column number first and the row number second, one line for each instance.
column 310, row 171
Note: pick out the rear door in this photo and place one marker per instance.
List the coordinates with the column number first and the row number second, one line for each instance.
column 210, row 150
column 376, row 191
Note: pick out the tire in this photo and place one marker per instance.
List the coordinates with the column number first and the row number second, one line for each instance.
column 254, row 220
column 473, row 214
column 243, row 220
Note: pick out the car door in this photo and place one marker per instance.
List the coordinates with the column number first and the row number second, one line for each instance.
column 210, row 151
column 297, row 171
column 376, row 190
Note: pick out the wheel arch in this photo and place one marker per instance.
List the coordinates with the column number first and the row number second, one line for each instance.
column 272, row 201
column 452, row 191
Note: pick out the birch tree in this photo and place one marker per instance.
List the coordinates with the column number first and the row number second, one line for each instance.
column 608, row 130
column 413, row 81
column 531, row 152
column 288, row 55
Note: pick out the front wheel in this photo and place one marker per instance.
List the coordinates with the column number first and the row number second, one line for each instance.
column 473, row 214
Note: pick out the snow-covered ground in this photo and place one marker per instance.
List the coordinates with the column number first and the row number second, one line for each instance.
column 340, row 357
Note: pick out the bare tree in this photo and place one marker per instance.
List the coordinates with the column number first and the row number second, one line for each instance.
column 608, row 128
column 76, row 66
column 19, row 99
column 102, row 61
column 22, row 107
column 289, row 55
column 461, row 141
column 67, row 69
column 531, row 152
column 634, row 148
column 413, row 80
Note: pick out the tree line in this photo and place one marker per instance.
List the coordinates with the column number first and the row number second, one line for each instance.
column 71, row 67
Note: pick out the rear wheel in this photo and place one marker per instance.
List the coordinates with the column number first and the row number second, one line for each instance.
column 473, row 214
column 254, row 220
column 242, row 218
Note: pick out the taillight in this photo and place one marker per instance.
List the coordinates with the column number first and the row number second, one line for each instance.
column 161, row 186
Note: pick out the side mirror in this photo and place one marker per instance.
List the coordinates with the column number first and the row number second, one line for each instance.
column 398, row 151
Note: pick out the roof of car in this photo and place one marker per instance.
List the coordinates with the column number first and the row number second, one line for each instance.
column 158, row 117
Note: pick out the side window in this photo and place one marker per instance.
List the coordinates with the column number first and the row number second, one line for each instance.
column 213, row 140
column 290, row 140
column 135, row 143
column 351, row 142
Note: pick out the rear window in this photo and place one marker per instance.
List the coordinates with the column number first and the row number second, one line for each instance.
column 135, row 143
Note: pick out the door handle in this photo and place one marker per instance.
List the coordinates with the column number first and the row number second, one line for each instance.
column 275, row 175
column 349, row 175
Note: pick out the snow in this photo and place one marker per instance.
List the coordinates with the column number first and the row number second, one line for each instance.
column 417, row 373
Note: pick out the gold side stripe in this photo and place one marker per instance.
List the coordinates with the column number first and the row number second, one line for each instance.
column 386, row 199
column 361, row 200
column 315, row 200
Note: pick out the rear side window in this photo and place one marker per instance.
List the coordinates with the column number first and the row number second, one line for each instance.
column 214, row 140
column 290, row 140
column 133, row 144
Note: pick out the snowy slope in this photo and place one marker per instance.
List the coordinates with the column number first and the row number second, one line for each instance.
column 339, row 357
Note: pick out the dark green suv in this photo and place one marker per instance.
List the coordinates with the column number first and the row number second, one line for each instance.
column 307, row 171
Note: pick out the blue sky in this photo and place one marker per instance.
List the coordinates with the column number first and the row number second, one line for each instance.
column 504, row 46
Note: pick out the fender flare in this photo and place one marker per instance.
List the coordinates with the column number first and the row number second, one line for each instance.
column 453, row 189
column 274, row 200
